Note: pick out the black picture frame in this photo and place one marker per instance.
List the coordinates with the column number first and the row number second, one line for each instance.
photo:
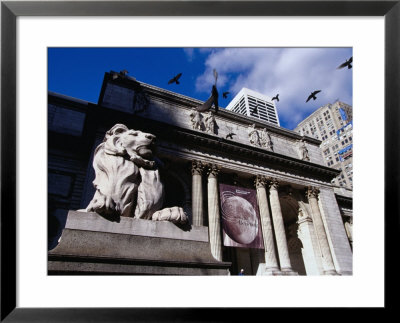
column 10, row 10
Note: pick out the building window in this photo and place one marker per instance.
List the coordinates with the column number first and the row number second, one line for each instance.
column 60, row 184
column 66, row 121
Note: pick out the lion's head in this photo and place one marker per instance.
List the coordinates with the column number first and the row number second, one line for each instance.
column 138, row 145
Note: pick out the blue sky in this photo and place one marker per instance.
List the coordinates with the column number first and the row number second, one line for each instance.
column 292, row 72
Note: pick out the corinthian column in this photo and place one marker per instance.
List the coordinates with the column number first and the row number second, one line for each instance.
column 279, row 227
column 197, row 193
column 214, row 225
column 271, row 263
column 327, row 261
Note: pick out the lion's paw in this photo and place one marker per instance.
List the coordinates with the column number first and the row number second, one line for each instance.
column 174, row 214
column 102, row 204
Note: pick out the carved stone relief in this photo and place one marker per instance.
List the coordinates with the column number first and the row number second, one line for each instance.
column 254, row 136
column 260, row 138
column 196, row 118
column 210, row 122
column 303, row 151
column 265, row 140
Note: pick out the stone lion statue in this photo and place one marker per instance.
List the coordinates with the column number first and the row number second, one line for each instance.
column 127, row 180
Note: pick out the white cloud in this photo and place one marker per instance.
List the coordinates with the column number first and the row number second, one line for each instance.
column 292, row 72
column 189, row 53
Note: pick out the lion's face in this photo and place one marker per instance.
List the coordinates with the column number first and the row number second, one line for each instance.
column 140, row 142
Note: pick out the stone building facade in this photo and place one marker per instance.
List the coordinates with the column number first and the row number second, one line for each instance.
column 300, row 213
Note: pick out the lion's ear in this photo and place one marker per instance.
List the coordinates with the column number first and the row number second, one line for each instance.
column 116, row 130
column 112, row 140
column 113, row 146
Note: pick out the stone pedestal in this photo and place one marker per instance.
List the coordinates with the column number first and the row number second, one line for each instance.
column 92, row 245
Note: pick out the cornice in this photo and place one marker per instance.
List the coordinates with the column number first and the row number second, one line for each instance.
column 179, row 99
column 210, row 142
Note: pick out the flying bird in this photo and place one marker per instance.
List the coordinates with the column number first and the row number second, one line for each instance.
column 312, row 95
column 275, row 98
column 175, row 79
column 346, row 63
column 213, row 99
column 230, row 135
column 225, row 95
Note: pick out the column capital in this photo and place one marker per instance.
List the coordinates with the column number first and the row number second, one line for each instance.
column 213, row 170
column 260, row 181
column 312, row 192
column 273, row 183
column 197, row 167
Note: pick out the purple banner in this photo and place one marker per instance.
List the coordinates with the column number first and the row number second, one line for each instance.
column 241, row 224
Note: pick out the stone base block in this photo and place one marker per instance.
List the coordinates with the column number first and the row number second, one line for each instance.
column 272, row 272
column 92, row 245
column 345, row 273
column 288, row 272
column 331, row 273
column 275, row 271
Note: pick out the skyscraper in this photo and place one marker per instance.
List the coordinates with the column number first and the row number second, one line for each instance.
column 333, row 125
column 254, row 104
